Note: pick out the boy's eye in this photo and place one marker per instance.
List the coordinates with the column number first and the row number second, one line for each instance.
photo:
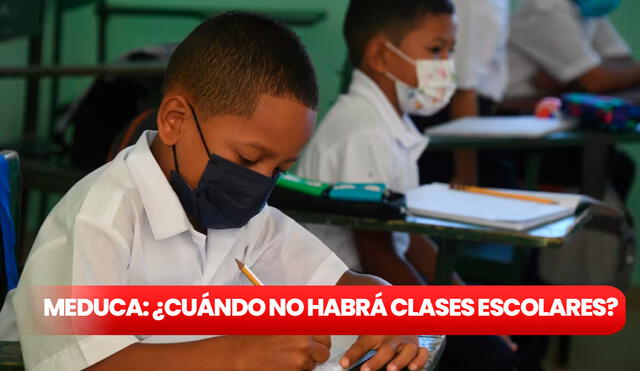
column 436, row 50
column 247, row 162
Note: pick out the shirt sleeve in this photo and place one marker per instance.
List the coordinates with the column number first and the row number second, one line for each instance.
column 291, row 255
column 101, row 255
column 365, row 158
column 608, row 42
column 554, row 38
column 478, row 35
column 466, row 63
column 90, row 255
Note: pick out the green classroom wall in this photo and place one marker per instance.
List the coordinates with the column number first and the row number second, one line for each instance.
column 324, row 42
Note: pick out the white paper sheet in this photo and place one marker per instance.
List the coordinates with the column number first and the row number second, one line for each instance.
column 439, row 201
column 339, row 345
column 500, row 127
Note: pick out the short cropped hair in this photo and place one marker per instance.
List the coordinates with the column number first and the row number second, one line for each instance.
column 228, row 61
column 394, row 18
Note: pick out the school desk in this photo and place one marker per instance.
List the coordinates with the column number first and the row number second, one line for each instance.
column 11, row 358
column 562, row 139
column 552, row 235
column 595, row 146
column 435, row 344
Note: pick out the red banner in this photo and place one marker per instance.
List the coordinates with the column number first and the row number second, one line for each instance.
column 334, row 310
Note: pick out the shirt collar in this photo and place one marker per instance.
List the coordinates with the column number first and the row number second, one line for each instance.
column 164, row 210
column 402, row 128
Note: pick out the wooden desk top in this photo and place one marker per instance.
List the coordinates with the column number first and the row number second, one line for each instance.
column 574, row 138
column 551, row 235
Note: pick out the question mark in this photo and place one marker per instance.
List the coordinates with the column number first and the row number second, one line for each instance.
column 613, row 302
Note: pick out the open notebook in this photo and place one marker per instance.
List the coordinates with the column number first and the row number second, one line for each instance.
column 437, row 200
column 501, row 127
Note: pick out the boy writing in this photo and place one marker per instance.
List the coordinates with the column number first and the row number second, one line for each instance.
column 182, row 204
column 401, row 51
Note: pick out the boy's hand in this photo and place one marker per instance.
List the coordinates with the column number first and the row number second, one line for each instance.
column 397, row 351
column 284, row 352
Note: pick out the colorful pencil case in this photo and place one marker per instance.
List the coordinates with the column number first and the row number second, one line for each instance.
column 371, row 200
column 364, row 192
column 307, row 186
column 601, row 112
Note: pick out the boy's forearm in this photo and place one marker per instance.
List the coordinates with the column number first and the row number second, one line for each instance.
column 423, row 254
column 465, row 166
column 208, row 354
column 350, row 278
column 606, row 80
column 620, row 62
column 463, row 104
column 378, row 256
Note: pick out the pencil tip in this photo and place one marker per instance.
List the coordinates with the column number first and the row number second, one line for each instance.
column 240, row 264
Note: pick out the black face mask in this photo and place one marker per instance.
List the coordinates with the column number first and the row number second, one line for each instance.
column 228, row 195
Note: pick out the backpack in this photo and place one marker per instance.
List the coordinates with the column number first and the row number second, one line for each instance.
column 108, row 106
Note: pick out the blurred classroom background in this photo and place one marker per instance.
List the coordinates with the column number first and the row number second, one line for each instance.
column 78, row 46
column 126, row 32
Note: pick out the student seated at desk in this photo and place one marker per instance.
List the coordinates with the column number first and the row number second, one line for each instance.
column 177, row 207
column 562, row 45
column 481, row 76
column 401, row 53
column 556, row 46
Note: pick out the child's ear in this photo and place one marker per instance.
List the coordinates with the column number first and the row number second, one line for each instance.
column 376, row 54
column 172, row 116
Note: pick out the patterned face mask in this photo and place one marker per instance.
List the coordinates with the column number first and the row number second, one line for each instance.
column 436, row 85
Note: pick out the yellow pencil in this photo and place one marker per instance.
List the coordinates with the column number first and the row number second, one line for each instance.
column 247, row 272
column 491, row 192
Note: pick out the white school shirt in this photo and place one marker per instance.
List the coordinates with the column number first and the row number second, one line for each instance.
column 362, row 139
column 124, row 225
column 552, row 36
column 481, row 47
